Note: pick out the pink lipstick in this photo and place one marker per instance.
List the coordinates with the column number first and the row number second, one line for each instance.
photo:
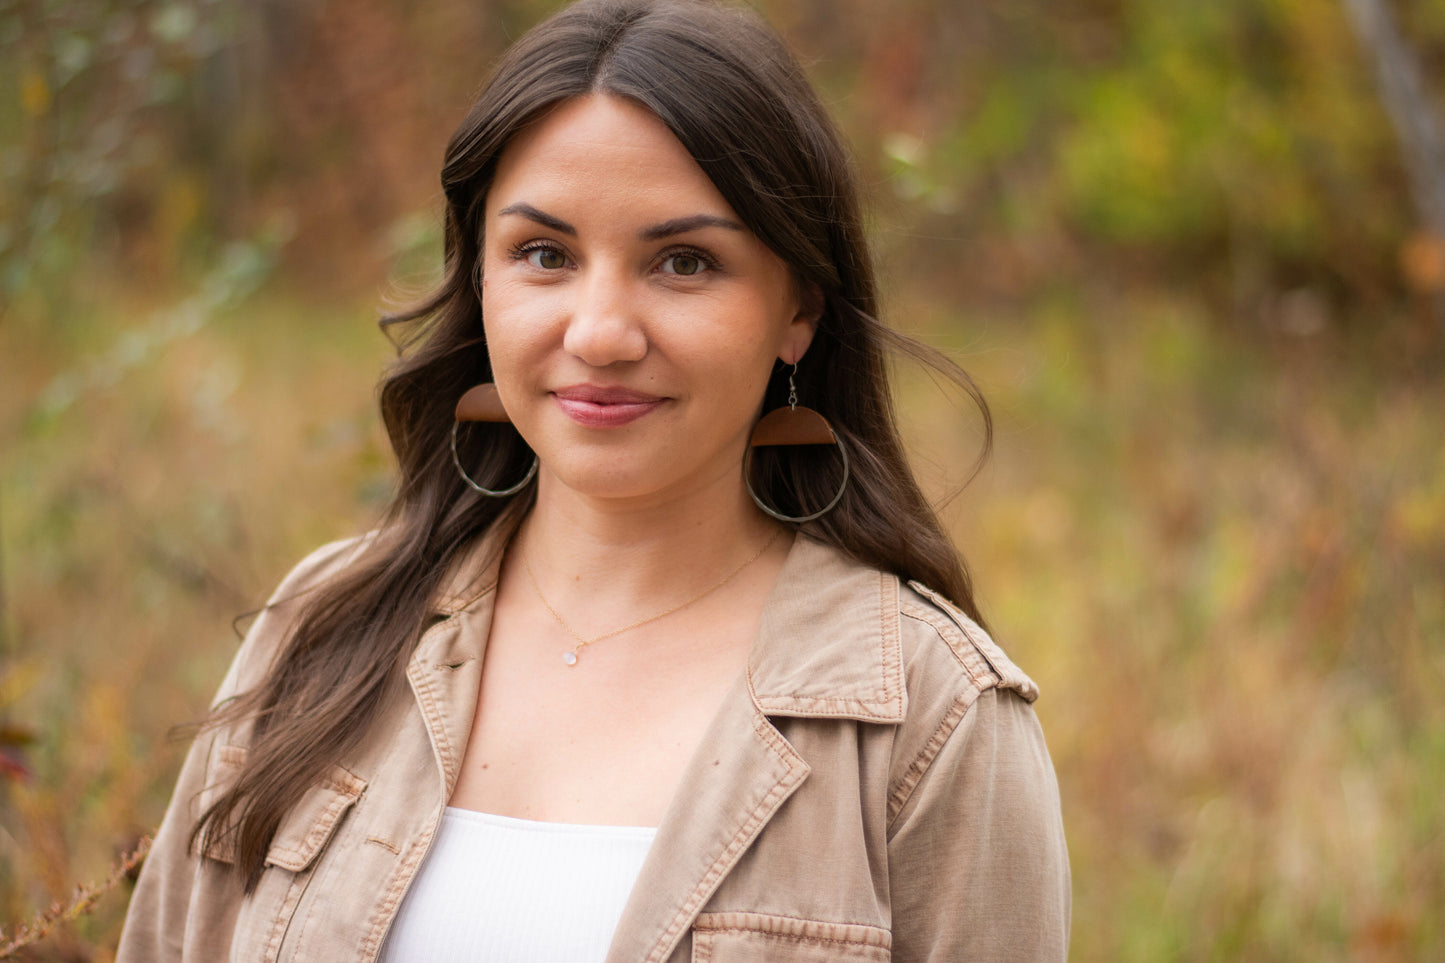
column 601, row 406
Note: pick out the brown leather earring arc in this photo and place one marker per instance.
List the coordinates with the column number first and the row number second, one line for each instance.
column 793, row 425
column 482, row 403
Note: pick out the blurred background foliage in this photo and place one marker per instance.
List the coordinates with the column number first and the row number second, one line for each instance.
column 1178, row 243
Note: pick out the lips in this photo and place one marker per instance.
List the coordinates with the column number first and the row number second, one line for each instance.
column 604, row 406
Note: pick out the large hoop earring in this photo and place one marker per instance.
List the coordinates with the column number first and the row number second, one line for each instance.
column 793, row 426
column 482, row 403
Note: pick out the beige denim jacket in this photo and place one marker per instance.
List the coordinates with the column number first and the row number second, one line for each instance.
column 875, row 787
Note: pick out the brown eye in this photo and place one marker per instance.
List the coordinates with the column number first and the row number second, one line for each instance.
column 683, row 264
column 548, row 258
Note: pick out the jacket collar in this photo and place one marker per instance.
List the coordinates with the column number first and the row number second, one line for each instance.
column 828, row 646
column 828, row 641
column 474, row 573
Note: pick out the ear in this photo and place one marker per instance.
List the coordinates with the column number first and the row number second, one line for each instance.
column 799, row 333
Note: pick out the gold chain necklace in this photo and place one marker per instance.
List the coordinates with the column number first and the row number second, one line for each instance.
column 571, row 657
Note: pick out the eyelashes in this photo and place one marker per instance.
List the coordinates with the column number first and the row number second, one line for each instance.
column 700, row 262
column 683, row 261
column 538, row 252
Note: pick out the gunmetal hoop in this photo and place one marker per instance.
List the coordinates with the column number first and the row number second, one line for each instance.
column 796, row 519
column 503, row 493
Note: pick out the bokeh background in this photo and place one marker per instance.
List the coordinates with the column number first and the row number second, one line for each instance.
column 1193, row 251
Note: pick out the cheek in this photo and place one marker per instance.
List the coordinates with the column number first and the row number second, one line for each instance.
column 736, row 365
column 507, row 344
column 514, row 318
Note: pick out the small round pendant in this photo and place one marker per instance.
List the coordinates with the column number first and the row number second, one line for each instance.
column 569, row 657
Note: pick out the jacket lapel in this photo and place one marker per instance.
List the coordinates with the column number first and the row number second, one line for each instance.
column 828, row 642
column 742, row 772
column 445, row 671
column 827, row 646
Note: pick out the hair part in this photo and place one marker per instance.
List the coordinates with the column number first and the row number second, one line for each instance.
column 766, row 142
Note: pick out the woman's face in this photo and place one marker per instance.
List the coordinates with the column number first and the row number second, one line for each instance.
column 631, row 318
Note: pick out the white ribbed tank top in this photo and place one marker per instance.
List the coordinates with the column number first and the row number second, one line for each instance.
column 494, row 888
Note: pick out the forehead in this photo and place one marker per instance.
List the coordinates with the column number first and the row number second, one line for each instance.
column 603, row 152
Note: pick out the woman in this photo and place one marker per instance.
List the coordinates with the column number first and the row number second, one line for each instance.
column 627, row 673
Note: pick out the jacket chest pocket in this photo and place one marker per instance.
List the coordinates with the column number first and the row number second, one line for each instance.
column 306, row 828
column 764, row 938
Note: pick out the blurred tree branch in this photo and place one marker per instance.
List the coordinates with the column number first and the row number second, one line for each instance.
column 1402, row 90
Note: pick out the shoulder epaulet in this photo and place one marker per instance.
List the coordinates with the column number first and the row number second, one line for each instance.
column 1010, row 675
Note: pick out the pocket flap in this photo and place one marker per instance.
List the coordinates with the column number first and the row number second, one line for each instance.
column 307, row 827
column 757, row 937
column 304, row 830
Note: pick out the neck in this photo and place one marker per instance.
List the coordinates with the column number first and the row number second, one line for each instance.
column 613, row 559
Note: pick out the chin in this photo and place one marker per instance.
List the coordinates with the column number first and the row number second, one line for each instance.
column 602, row 477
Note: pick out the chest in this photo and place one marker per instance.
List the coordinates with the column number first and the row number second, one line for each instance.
column 604, row 741
column 734, row 868
column 775, row 824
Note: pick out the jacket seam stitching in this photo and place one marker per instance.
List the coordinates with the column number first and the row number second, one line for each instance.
column 305, row 923
column 782, row 916
column 283, row 918
column 883, row 704
column 847, row 709
column 321, row 829
column 888, row 636
column 968, row 657
column 745, row 831
column 385, row 910
column 902, row 792
column 789, row 937
column 430, row 715
column 710, row 926
column 840, row 700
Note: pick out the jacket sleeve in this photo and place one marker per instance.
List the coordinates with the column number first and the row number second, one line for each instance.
column 184, row 907
column 978, row 862
column 156, row 924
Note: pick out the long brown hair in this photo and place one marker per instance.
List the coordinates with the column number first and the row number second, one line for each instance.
column 737, row 100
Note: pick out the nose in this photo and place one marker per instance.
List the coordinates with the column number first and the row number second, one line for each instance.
column 605, row 327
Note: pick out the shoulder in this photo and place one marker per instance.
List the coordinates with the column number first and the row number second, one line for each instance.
column 973, row 802
column 956, row 699
column 951, row 714
column 316, row 568
column 273, row 623
column 970, row 711
column 934, row 629
column 843, row 638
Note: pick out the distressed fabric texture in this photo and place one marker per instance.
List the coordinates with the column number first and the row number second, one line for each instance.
column 875, row 787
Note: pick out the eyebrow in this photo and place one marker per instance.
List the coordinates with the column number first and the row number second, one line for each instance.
column 678, row 225
column 681, row 225
column 541, row 217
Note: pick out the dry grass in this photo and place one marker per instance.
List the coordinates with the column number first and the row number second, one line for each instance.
column 1223, row 562
column 1221, row 557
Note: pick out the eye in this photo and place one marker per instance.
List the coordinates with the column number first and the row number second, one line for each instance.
column 546, row 257
column 686, row 263
column 540, row 254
